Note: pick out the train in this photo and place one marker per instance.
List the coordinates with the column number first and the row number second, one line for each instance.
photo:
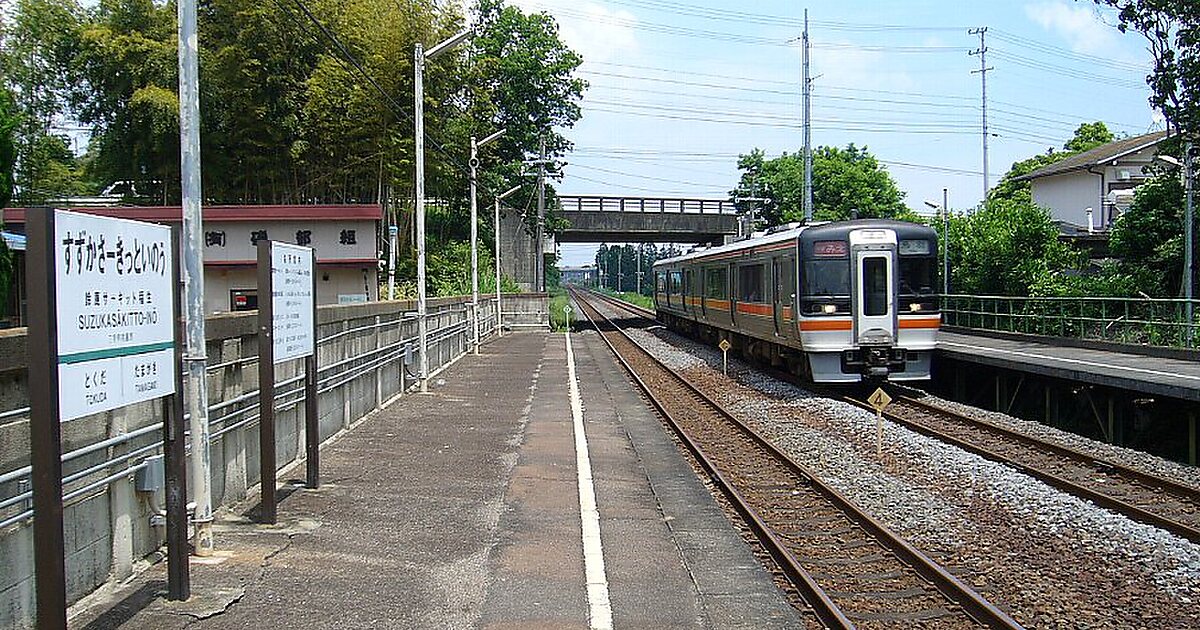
column 834, row 302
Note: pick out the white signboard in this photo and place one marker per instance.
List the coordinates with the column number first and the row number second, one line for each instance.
column 115, row 319
column 292, row 301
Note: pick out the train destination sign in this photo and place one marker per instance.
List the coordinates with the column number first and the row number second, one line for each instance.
column 293, row 328
column 114, row 315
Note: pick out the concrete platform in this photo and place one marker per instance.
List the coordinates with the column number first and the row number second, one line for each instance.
column 461, row 509
column 1176, row 378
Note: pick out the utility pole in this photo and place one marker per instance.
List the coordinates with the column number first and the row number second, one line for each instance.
column 620, row 254
column 640, row 247
column 474, row 164
column 808, row 201
column 982, row 72
column 539, row 281
column 1189, row 237
column 195, row 357
column 946, row 241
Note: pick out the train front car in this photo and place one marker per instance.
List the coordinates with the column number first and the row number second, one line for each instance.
column 868, row 309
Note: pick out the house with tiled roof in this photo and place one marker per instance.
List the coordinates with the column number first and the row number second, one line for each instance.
column 1091, row 189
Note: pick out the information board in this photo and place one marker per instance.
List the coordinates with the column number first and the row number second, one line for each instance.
column 292, row 298
column 114, row 312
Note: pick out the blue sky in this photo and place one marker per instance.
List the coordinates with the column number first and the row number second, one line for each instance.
column 678, row 89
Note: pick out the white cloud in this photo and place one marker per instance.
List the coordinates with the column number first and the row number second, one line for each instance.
column 590, row 29
column 846, row 64
column 1082, row 27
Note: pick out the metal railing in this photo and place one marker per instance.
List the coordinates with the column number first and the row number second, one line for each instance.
column 242, row 411
column 600, row 203
column 1141, row 321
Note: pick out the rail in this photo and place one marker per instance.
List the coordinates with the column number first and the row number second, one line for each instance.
column 600, row 203
column 1141, row 321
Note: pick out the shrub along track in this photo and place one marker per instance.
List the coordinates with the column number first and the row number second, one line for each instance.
column 850, row 569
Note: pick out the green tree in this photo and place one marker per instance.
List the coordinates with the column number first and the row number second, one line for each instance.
column 1172, row 30
column 1006, row 248
column 8, row 161
column 845, row 181
column 1148, row 238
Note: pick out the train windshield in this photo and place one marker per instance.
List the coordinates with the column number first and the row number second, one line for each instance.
column 917, row 275
column 829, row 277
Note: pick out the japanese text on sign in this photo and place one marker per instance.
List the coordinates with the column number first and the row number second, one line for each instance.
column 114, row 312
column 293, row 328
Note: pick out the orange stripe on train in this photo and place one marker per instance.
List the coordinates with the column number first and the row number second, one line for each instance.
column 825, row 324
column 924, row 322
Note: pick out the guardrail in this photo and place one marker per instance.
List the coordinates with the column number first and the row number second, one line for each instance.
column 600, row 203
column 1142, row 321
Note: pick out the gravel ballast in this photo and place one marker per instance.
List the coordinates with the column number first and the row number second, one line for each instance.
column 1051, row 559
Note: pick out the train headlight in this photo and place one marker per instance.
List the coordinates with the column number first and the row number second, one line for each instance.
column 916, row 306
column 829, row 309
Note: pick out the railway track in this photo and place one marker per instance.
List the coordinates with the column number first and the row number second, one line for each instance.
column 1141, row 496
column 851, row 570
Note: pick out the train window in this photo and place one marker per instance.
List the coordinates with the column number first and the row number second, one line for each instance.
column 716, row 282
column 676, row 282
column 827, row 277
column 875, row 286
column 916, row 275
column 661, row 282
column 750, row 283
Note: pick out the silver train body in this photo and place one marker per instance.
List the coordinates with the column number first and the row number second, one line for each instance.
column 834, row 302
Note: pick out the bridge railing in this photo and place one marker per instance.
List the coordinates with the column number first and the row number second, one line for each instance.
column 600, row 203
column 1143, row 321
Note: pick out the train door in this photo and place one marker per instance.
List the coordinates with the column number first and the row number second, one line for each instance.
column 777, row 292
column 689, row 288
column 873, row 253
column 731, row 290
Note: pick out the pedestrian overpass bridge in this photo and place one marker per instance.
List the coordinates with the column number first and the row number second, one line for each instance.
column 608, row 219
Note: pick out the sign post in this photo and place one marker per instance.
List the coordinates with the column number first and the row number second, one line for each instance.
column 879, row 400
column 724, row 346
column 103, row 310
column 286, row 331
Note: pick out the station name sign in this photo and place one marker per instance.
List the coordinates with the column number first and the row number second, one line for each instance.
column 114, row 313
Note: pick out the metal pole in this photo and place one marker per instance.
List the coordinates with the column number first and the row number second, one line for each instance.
column 638, row 253
column 496, row 230
column 195, row 358
column 808, row 199
column 539, row 282
column 474, row 164
column 945, row 241
column 419, row 139
column 1189, row 237
column 312, row 420
column 982, row 71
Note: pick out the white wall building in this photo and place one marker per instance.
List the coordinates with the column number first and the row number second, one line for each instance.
column 1101, row 180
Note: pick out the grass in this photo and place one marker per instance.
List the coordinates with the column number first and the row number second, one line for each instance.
column 561, row 313
column 644, row 301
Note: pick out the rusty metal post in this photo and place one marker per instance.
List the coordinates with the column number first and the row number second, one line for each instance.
column 266, row 384
column 45, row 430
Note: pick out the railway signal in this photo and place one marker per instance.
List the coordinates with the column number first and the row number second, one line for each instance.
column 724, row 346
column 879, row 400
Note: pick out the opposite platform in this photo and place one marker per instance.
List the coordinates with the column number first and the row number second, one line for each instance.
column 461, row 509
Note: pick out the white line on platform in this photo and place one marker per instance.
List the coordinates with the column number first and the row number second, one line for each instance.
column 600, row 612
column 1075, row 361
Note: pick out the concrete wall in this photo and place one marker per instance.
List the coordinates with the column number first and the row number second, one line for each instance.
column 516, row 249
column 331, row 283
column 108, row 526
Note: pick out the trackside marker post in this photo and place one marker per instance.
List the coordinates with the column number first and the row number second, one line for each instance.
column 725, row 346
column 879, row 400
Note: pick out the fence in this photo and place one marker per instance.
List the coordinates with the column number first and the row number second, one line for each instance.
column 108, row 523
column 1144, row 321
